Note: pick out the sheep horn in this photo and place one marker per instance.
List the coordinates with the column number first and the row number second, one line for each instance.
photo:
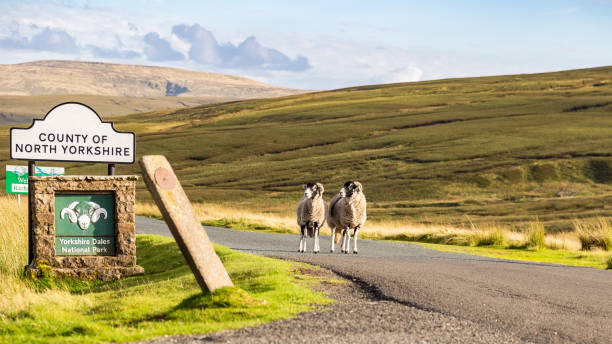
column 96, row 215
column 72, row 216
column 94, row 206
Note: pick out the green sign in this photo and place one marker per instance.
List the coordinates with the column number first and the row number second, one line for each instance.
column 17, row 177
column 85, row 224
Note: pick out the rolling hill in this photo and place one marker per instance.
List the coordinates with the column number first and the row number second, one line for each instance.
column 501, row 149
column 30, row 89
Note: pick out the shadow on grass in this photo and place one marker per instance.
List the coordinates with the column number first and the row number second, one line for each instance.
column 161, row 261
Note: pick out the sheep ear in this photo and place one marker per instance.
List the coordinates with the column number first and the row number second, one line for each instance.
column 304, row 186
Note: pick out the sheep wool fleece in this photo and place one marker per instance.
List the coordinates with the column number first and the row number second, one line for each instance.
column 310, row 211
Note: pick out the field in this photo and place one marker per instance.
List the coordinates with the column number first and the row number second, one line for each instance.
column 491, row 151
column 165, row 301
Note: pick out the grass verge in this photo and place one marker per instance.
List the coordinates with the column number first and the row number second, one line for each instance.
column 592, row 259
column 165, row 301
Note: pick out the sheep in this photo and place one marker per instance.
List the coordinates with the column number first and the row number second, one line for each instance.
column 311, row 213
column 347, row 210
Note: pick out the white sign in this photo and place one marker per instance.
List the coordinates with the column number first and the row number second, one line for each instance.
column 72, row 132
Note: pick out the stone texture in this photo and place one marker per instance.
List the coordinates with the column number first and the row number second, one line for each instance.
column 42, row 200
column 183, row 223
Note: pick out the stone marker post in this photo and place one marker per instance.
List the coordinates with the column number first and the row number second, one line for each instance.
column 183, row 223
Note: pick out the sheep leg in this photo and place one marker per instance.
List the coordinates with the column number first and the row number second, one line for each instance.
column 343, row 246
column 333, row 236
column 355, row 239
column 302, row 239
column 316, row 238
column 346, row 242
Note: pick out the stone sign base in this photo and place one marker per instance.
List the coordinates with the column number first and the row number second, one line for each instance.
column 66, row 240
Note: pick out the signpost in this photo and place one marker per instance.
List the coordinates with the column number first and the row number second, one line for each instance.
column 80, row 226
column 17, row 178
column 84, row 226
column 72, row 132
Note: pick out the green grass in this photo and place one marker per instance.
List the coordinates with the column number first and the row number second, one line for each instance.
column 165, row 301
column 500, row 149
column 244, row 225
column 599, row 260
column 488, row 238
column 536, row 236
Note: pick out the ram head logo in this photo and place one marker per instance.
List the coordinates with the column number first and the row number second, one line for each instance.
column 85, row 213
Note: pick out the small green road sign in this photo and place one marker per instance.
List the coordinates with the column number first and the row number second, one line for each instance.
column 17, row 177
column 85, row 224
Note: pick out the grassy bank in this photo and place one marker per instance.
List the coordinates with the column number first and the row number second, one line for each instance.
column 165, row 301
column 587, row 245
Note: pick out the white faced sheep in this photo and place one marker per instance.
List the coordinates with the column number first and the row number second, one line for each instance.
column 347, row 210
column 311, row 214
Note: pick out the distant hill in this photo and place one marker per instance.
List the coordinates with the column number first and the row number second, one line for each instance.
column 27, row 88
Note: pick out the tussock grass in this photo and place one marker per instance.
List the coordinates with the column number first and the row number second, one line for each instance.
column 536, row 237
column 212, row 214
column 407, row 231
column 16, row 294
column 489, row 237
column 563, row 241
column 595, row 234
column 14, row 240
column 242, row 218
column 609, row 262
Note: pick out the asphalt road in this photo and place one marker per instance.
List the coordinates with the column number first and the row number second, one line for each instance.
column 500, row 300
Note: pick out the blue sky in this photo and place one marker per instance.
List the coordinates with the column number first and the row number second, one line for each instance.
column 316, row 44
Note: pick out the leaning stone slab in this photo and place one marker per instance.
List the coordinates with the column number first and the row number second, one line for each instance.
column 183, row 223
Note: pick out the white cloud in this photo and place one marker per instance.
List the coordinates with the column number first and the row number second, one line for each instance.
column 410, row 73
column 248, row 54
column 332, row 62
column 159, row 49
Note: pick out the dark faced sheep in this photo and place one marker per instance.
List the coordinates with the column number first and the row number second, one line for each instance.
column 347, row 210
column 311, row 213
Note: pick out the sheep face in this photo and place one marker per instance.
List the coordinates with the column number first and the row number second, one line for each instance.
column 84, row 221
column 83, row 213
column 351, row 188
column 313, row 190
